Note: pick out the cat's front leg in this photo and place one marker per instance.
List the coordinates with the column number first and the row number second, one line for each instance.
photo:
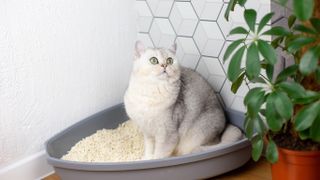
column 149, row 145
column 165, row 143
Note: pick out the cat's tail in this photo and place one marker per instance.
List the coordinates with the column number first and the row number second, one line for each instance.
column 230, row 135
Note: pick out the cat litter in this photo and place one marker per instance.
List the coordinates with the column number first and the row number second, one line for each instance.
column 125, row 143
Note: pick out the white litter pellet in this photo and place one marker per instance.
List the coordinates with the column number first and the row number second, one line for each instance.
column 124, row 143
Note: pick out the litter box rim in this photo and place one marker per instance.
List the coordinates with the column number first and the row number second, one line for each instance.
column 143, row 164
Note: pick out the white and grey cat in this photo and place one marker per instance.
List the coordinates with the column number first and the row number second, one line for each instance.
column 175, row 108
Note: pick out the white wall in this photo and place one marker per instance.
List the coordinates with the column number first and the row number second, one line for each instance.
column 60, row 61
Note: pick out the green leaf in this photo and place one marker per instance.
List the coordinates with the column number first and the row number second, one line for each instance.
column 287, row 72
column 315, row 23
column 250, row 15
column 304, row 29
column 304, row 134
column 269, row 71
column 254, row 104
column 309, row 60
column 231, row 48
column 264, row 21
column 306, row 116
column 235, row 85
column 293, row 89
column 273, row 118
column 238, row 30
column 277, row 31
column 315, row 129
column 252, row 62
column 248, row 127
column 317, row 74
column 257, row 147
column 230, row 7
column 252, row 92
column 235, row 63
column 291, row 20
column 299, row 42
column 310, row 97
column 276, row 42
column 242, row 2
column 267, row 51
column 253, row 100
column 259, row 125
column 272, row 152
column 283, row 105
column 303, row 9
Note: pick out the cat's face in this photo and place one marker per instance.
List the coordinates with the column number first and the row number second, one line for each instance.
column 156, row 63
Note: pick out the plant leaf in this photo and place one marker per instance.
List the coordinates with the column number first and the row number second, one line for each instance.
column 242, row 2
column 257, row 147
column 252, row 92
column 309, row 60
column 267, row 51
column 291, row 20
column 231, row 48
column 283, row 105
column 235, row 63
column 248, row 127
column 250, row 15
column 310, row 97
column 253, row 100
column 277, row 31
column 230, row 7
column 269, row 71
column 235, row 85
column 252, row 62
column 315, row 23
column 315, row 129
column 259, row 125
column 287, row 72
column 306, row 116
column 264, row 21
column 317, row 74
column 238, row 30
column 304, row 29
column 303, row 9
column 299, row 42
column 272, row 152
column 273, row 118
column 304, row 134
column 293, row 89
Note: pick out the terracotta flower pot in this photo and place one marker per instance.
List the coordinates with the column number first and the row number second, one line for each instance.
column 296, row 165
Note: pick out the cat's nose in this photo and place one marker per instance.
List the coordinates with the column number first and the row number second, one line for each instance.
column 164, row 65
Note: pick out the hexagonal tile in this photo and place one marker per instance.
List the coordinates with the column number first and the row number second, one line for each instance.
column 160, row 8
column 144, row 16
column 207, row 9
column 162, row 33
column 278, row 10
column 209, row 38
column 145, row 39
column 187, row 52
column 210, row 69
column 183, row 18
column 235, row 19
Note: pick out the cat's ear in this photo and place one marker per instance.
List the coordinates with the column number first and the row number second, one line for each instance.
column 138, row 49
column 173, row 48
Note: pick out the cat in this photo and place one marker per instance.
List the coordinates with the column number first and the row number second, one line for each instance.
column 174, row 107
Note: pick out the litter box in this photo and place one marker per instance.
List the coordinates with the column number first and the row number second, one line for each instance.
column 200, row 165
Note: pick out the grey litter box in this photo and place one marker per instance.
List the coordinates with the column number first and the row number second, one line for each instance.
column 193, row 166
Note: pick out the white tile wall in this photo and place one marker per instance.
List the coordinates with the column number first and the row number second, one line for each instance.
column 201, row 33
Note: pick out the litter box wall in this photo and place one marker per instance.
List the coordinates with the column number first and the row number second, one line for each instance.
column 60, row 61
column 201, row 32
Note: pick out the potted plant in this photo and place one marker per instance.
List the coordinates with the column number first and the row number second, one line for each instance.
column 283, row 110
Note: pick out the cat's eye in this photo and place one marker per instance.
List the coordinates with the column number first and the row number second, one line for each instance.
column 169, row 60
column 153, row 60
